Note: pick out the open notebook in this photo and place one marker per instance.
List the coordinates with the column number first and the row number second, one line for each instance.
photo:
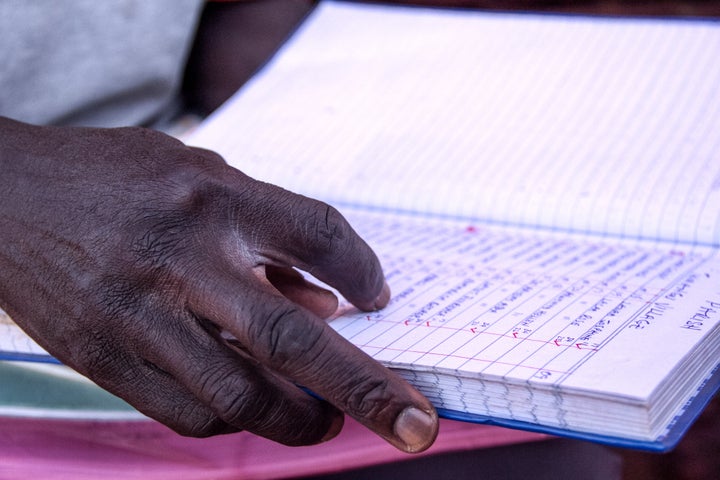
column 543, row 192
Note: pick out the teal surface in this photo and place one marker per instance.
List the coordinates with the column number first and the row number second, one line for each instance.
column 55, row 391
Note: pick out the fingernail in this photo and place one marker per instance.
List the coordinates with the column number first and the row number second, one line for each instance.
column 417, row 429
column 383, row 298
column 335, row 428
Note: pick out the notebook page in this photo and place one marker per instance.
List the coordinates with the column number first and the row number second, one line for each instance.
column 15, row 344
column 576, row 313
column 590, row 124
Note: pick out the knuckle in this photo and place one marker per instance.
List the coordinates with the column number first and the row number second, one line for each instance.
column 330, row 223
column 231, row 396
column 368, row 397
column 285, row 334
column 184, row 203
column 331, row 228
column 328, row 235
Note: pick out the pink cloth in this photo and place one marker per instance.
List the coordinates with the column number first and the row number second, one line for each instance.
column 80, row 450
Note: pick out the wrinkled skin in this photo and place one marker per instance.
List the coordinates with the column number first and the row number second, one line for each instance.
column 131, row 258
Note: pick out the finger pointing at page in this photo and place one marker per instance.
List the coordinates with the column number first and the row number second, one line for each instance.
column 292, row 342
column 132, row 258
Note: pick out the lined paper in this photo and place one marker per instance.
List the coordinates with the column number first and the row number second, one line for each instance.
column 486, row 314
column 605, row 126
column 530, row 307
column 16, row 345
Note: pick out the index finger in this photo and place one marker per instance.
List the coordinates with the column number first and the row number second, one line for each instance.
column 303, row 348
column 315, row 237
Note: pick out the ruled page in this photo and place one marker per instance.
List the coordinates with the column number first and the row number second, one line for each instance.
column 15, row 344
column 572, row 312
column 600, row 125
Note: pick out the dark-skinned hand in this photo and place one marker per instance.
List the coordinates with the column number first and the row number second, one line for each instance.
column 133, row 259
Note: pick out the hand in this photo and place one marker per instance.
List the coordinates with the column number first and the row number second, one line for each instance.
column 132, row 258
